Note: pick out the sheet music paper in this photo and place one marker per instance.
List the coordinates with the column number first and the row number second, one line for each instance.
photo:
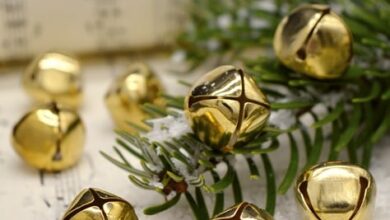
column 29, row 27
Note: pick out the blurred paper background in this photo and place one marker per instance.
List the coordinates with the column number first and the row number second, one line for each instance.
column 85, row 27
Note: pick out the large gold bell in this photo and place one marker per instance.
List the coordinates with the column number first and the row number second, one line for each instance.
column 336, row 191
column 243, row 211
column 315, row 41
column 96, row 204
column 54, row 77
column 226, row 108
column 136, row 86
column 49, row 138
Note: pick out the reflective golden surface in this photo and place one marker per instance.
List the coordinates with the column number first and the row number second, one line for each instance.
column 96, row 204
column 315, row 41
column 49, row 138
column 226, row 108
column 53, row 77
column 243, row 211
column 136, row 86
column 336, row 191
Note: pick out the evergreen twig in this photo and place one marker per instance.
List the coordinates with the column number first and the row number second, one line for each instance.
column 226, row 30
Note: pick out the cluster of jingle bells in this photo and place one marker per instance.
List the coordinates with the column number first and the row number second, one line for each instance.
column 225, row 109
column 51, row 136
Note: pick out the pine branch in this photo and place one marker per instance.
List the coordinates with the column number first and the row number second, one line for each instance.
column 357, row 104
column 162, row 165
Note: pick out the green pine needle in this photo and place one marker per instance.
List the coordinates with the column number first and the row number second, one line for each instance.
column 292, row 167
column 237, row 191
column 219, row 197
column 333, row 115
column 316, row 147
column 194, row 207
column 224, row 182
column 350, row 130
column 271, row 184
column 254, row 172
column 292, row 105
column 152, row 210
column 201, row 204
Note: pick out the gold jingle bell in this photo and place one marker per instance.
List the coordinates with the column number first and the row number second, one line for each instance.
column 315, row 41
column 136, row 86
column 243, row 211
column 96, row 204
column 226, row 108
column 49, row 138
column 336, row 191
column 54, row 77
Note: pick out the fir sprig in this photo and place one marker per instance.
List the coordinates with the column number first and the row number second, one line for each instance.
column 179, row 167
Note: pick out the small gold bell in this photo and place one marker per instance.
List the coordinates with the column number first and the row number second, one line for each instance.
column 136, row 86
column 243, row 211
column 315, row 41
column 54, row 77
column 96, row 204
column 49, row 138
column 226, row 108
column 336, row 191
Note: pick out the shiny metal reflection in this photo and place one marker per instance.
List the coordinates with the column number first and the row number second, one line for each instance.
column 49, row 138
column 54, row 77
column 315, row 41
column 243, row 211
column 336, row 191
column 129, row 91
column 226, row 108
column 96, row 204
